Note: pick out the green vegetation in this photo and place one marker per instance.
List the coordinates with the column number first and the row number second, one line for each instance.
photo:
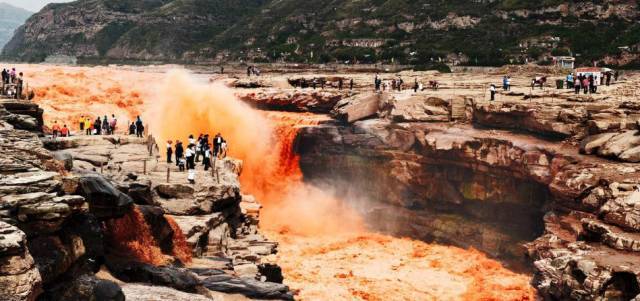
column 420, row 33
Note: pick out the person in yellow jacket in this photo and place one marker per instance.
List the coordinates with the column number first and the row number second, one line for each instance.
column 87, row 126
column 81, row 123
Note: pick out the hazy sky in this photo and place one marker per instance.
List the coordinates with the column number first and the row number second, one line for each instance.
column 32, row 5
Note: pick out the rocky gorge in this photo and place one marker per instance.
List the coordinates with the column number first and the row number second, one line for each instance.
column 546, row 187
column 540, row 182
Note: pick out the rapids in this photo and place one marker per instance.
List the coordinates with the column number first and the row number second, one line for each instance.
column 326, row 251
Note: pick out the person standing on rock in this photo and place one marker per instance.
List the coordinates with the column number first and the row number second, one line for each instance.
column 113, row 124
column 492, row 90
column 132, row 128
column 340, row 84
column 206, row 161
column 191, row 165
column 169, row 151
column 198, row 148
column 105, row 126
column 139, row 127
column 97, row 126
column 179, row 152
column 87, row 126
column 217, row 145
column 64, row 131
column 81, row 124
column 5, row 75
column 55, row 130
column 415, row 85
column 576, row 85
column 351, row 84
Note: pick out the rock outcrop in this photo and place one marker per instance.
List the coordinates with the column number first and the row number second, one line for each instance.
column 218, row 223
column 533, row 203
column 50, row 238
column 58, row 220
column 320, row 101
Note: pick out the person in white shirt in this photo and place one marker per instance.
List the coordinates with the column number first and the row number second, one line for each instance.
column 191, row 165
column 492, row 90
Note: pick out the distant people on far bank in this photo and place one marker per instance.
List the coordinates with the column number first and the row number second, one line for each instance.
column 506, row 83
column 253, row 70
column 492, row 91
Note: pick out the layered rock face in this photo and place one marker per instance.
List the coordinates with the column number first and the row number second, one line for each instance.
column 105, row 203
column 536, row 204
column 45, row 244
column 217, row 223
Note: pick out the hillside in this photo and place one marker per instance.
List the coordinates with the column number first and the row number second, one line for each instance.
column 474, row 32
column 11, row 18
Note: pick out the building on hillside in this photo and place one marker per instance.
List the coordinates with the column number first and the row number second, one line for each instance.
column 364, row 43
column 565, row 62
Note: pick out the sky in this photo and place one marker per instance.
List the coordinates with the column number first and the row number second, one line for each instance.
column 32, row 5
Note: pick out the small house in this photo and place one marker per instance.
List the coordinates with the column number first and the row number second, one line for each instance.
column 565, row 62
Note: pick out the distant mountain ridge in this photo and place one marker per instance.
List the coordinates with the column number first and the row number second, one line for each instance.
column 474, row 32
column 11, row 18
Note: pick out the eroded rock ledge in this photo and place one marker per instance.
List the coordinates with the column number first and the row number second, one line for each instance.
column 533, row 203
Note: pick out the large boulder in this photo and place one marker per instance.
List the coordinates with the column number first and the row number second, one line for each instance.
column 105, row 201
column 86, row 287
column 221, row 282
column 130, row 271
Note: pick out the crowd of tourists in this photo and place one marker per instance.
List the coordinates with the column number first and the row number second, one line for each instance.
column 197, row 150
column 588, row 83
column 12, row 83
column 99, row 126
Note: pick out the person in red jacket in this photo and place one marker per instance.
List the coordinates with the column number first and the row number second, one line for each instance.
column 64, row 132
column 55, row 129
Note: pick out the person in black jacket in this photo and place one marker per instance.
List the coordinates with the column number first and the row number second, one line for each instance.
column 179, row 152
column 139, row 127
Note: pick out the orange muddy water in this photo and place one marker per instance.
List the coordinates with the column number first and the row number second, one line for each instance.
column 325, row 250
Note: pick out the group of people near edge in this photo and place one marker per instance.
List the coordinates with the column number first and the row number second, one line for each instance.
column 397, row 84
column 99, row 126
column 12, row 83
column 196, row 150
column 587, row 83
